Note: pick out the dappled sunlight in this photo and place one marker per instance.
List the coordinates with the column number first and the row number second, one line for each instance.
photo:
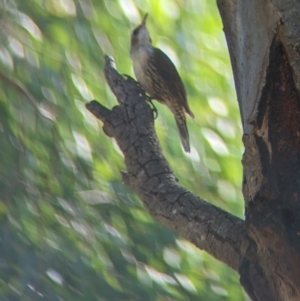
column 226, row 127
column 81, row 86
column 47, row 111
column 212, row 164
column 16, row 47
column 194, row 155
column 219, row 290
column 162, row 44
column 215, row 141
column 160, row 278
column 83, row 146
column 70, row 229
column 172, row 257
column 186, row 283
column 226, row 190
column 29, row 25
column 49, row 94
column 130, row 10
column 55, row 276
column 218, row 106
column 62, row 220
column 73, row 60
column 94, row 197
column 6, row 59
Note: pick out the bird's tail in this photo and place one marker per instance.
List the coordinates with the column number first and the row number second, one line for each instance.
column 183, row 131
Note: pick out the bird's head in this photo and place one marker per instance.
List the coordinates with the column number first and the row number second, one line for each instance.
column 140, row 35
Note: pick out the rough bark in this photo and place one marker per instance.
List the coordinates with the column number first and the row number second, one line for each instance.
column 263, row 39
column 150, row 176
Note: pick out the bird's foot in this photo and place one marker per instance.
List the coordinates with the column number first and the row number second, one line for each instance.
column 154, row 110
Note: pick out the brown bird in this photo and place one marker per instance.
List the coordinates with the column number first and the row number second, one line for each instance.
column 158, row 76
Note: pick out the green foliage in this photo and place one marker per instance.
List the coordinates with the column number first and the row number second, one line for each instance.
column 70, row 230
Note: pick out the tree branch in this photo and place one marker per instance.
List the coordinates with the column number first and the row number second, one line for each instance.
column 150, row 176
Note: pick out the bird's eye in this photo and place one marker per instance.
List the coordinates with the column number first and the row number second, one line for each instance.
column 136, row 31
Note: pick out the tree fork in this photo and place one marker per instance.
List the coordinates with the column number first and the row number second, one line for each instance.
column 150, row 176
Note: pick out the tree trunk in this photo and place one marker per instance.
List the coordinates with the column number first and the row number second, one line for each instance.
column 264, row 50
column 263, row 39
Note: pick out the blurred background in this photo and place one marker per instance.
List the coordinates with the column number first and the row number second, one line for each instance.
column 69, row 228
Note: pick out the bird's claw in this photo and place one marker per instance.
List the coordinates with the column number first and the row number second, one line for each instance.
column 154, row 110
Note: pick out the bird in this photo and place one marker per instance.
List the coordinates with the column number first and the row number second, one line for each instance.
column 158, row 76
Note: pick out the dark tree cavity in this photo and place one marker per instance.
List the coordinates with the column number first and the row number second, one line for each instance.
column 271, row 180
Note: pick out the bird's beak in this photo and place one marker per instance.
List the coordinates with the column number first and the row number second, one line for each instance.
column 144, row 20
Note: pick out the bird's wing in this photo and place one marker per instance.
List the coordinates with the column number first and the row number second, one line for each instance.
column 168, row 72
